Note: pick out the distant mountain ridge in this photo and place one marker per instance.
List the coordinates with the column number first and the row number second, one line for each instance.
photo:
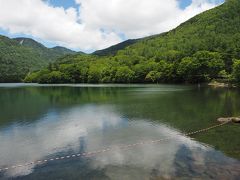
column 112, row 50
column 18, row 56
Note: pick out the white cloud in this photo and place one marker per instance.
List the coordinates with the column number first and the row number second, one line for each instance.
column 95, row 24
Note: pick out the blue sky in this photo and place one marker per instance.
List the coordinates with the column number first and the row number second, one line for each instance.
column 63, row 3
column 87, row 26
column 184, row 3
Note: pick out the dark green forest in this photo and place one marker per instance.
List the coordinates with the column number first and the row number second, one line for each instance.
column 22, row 55
column 202, row 49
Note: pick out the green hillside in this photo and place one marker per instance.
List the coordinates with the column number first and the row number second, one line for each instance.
column 21, row 55
column 201, row 49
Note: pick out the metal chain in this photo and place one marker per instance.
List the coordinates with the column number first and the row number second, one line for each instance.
column 123, row 147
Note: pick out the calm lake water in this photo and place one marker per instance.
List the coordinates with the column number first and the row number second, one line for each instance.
column 42, row 122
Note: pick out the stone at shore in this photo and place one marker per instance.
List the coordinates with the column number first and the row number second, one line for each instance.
column 218, row 84
column 228, row 119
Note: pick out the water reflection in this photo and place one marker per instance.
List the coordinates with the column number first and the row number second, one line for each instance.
column 72, row 120
column 79, row 130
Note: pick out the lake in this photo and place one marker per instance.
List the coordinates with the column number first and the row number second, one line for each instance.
column 39, row 122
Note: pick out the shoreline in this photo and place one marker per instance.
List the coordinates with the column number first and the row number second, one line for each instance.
column 214, row 84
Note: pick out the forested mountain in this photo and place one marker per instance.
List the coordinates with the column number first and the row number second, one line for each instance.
column 201, row 49
column 21, row 55
column 48, row 53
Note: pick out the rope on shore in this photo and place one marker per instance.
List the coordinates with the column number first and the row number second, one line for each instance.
column 123, row 147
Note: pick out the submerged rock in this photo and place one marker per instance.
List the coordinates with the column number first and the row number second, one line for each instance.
column 236, row 119
column 228, row 119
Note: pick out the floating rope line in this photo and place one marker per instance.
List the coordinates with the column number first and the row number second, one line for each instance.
column 93, row 153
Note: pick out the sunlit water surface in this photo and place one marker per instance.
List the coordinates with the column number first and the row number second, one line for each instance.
column 43, row 122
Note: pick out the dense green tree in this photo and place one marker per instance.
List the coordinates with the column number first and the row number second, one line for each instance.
column 210, row 63
column 124, row 74
column 55, row 77
column 204, row 65
column 141, row 70
column 188, row 69
column 94, row 74
column 153, row 76
column 236, row 71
